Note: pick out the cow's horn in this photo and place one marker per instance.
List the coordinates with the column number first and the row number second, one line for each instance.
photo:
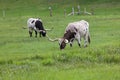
column 56, row 39
column 49, row 29
column 39, row 30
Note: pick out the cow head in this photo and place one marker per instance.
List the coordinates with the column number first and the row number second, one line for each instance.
column 68, row 36
column 43, row 33
column 62, row 43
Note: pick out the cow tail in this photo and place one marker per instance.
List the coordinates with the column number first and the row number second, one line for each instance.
column 89, row 38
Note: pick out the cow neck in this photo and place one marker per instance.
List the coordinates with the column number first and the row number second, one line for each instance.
column 68, row 35
column 39, row 25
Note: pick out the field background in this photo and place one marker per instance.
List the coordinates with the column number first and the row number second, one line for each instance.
column 25, row 58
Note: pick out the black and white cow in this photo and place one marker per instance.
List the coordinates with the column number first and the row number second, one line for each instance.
column 36, row 25
column 75, row 30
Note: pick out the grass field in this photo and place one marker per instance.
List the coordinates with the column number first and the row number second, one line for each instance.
column 25, row 58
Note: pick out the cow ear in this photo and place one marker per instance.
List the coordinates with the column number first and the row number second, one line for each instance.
column 66, row 41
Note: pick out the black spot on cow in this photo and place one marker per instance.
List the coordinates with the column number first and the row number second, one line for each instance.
column 68, row 35
column 33, row 21
column 39, row 26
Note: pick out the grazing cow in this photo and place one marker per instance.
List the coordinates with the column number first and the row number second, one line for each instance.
column 75, row 30
column 36, row 25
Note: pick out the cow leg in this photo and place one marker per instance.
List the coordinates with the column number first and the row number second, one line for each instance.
column 40, row 34
column 36, row 34
column 77, row 36
column 71, row 42
column 30, row 31
column 79, row 43
column 85, row 40
column 85, row 43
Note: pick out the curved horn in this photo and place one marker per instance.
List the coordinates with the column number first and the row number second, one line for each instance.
column 49, row 29
column 39, row 30
column 56, row 39
column 36, row 29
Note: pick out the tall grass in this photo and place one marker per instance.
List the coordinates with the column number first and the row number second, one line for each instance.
column 25, row 58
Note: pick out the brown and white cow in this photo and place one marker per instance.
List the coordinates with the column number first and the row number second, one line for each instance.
column 75, row 30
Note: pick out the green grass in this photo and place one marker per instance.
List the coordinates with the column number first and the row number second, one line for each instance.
column 25, row 58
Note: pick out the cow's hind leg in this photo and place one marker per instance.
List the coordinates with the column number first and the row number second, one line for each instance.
column 77, row 36
column 86, row 41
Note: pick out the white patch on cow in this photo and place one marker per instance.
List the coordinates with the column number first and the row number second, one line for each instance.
column 31, row 23
column 66, row 41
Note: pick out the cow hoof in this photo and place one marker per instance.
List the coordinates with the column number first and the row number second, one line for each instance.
column 79, row 45
column 70, row 45
column 85, row 46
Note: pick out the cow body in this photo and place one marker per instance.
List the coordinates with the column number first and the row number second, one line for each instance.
column 75, row 30
column 36, row 25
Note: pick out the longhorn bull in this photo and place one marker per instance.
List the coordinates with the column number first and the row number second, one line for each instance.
column 36, row 25
column 74, row 30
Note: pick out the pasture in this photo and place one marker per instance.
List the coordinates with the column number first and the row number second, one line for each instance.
column 25, row 58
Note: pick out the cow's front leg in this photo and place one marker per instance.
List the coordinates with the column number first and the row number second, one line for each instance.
column 40, row 34
column 79, row 44
column 30, row 33
column 36, row 34
column 71, row 42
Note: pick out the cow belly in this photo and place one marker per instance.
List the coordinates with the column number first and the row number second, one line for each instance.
column 83, row 31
